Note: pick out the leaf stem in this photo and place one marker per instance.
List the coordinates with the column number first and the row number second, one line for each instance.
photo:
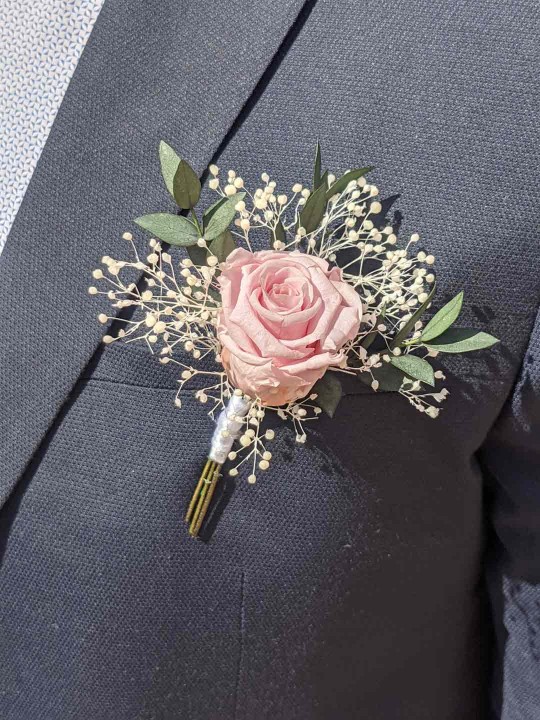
column 196, row 221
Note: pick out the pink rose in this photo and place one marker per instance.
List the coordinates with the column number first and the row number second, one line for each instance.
column 285, row 318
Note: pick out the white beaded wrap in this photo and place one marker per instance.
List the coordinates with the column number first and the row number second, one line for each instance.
column 237, row 406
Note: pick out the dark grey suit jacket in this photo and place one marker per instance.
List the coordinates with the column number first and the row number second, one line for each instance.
column 350, row 582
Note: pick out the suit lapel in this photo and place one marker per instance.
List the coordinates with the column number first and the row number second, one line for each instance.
column 180, row 71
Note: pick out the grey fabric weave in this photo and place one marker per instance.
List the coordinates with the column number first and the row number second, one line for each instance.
column 348, row 582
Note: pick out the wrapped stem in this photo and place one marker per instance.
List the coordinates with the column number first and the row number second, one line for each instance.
column 227, row 430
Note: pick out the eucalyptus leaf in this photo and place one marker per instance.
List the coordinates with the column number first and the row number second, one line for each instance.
column 172, row 229
column 329, row 393
column 415, row 317
column 367, row 341
column 313, row 211
column 461, row 340
column 186, row 186
column 388, row 377
column 340, row 185
column 222, row 217
column 442, row 320
column 197, row 255
column 278, row 234
column 209, row 212
column 169, row 161
column 317, row 167
column 414, row 367
column 223, row 245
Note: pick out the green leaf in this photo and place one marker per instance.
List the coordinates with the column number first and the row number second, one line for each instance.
column 411, row 322
column 414, row 367
column 442, row 320
column 329, row 393
column 209, row 212
column 313, row 211
column 197, row 255
column 461, row 340
column 222, row 217
column 223, row 245
column 172, row 229
column 278, row 234
column 388, row 377
column 340, row 185
column 169, row 164
column 317, row 168
column 186, row 186
column 368, row 339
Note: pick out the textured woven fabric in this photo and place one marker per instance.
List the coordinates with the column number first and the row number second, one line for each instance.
column 348, row 581
column 40, row 45
column 521, row 690
column 511, row 457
